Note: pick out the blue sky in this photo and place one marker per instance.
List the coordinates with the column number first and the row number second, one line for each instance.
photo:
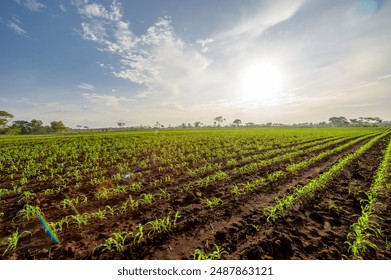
column 96, row 63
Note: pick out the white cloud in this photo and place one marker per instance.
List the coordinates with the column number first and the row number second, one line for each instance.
column 15, row 27
column 62, row 7
column 99, row 11
column 33, row 5
column 242, row 35
column 159, row 60
column 107, row 100
column 79, row 3
column 86, row 86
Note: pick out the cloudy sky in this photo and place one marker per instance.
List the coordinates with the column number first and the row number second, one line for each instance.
column 98, row 62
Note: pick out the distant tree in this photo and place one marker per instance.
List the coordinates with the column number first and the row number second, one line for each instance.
column 57, row 126
column 157, row 125
column 237, row 122
column 121, row 124
column 219, row 120
column 338, row 121
column 370, row 121
column 86, row 127
column 36, row 126
column 23, row 126
column 323, row 123
column 79, row 126
column 4, row 118
column 250, row 124
column 356, row 122
column 197, row 124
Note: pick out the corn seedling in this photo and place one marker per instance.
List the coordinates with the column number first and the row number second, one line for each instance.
column 139, row 236
column 163, row 224
column 164, row 193
column 210, row 203
column 235, row 190
column 116, row 242
column 256, row 227
column 147, row 198
column 100, row 214
column 388, row 245
column 110, row 209
column 81, row 219
column 215, row 255
column 26, row 195
column 133, row 203
column 28, row 212
column 58, row 226
column 12, row 241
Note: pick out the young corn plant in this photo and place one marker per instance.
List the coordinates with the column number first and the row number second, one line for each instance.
column 100, row 214
column 116, row 242
column 235, row 190
column 215, row 255
column 26, row 196
column 147, row 198
column 28, row 212
column 111, row 210
column 133, row 203
column 139, row 236
column 164, row 224
column 12, row 241
column 361, row 242
column 81, row 220
column 58, row 226
column 210, row 203
column 164, row 193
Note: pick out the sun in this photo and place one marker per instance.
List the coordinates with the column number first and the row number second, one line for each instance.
column 260, row 82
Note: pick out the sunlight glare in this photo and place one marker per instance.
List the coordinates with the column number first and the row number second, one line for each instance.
column 260, row 82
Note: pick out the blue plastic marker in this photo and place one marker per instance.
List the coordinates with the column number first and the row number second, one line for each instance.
column 48, row 230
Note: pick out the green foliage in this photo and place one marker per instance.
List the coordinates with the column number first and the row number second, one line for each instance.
column 215, row 255
column 289, row 200
column 365, row 229
column 163, row 224
column 116, row 242
column 12, row 241
column 28, row 212
column 214, row 201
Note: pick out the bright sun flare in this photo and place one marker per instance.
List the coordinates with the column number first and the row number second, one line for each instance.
column 260, row 82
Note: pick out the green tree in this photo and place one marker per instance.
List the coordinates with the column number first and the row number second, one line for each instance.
column 338, row 121
column 58, row 126
column 219, row 120
column 37, row 126
column 23, row 126
column 197, row 124
column 4, row 118
column 237, row 122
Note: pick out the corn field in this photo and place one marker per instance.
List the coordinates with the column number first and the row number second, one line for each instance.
column 260, row 193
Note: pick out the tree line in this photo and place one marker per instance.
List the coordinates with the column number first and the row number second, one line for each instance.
column 28, row 127
column 37, row 127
